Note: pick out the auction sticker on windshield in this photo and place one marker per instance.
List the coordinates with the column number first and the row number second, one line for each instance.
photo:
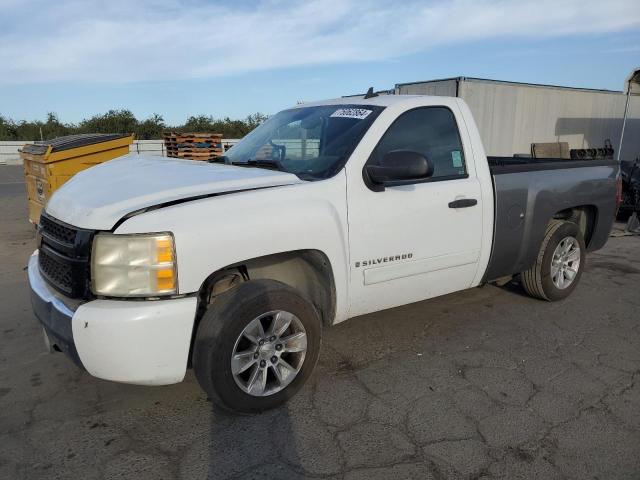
column 359, row 113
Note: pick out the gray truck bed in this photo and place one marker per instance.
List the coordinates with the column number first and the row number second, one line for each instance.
column 530, row 192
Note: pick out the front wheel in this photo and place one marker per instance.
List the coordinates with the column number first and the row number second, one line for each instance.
column 256, row 346
column 560, row 262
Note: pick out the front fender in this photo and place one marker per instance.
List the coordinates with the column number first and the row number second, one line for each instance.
column 215, row 232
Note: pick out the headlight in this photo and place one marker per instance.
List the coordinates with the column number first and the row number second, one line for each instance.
column 134, row 265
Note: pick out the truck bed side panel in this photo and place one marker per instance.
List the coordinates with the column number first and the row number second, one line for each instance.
column 528, row 196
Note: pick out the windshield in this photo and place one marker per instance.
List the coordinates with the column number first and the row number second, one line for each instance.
column 310, row 142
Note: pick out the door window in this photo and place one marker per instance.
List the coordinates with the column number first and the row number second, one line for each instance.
column 431, row 131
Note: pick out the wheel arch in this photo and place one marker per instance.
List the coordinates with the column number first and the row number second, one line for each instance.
column 516, row 249
column 308, row 271
column 585, row 216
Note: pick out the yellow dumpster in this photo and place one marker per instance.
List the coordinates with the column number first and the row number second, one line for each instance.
column 48, row 164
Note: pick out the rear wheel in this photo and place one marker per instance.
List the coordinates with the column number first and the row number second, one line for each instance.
column 256, row 346
column 559, row 264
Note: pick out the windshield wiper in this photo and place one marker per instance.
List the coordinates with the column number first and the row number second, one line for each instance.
column 221, row 159
column 261, row 163
column 272, row 164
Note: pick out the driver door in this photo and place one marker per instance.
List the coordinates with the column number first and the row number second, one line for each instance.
column 413, row 242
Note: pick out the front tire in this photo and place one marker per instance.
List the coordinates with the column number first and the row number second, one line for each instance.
column 256, row 345
column 559, row 264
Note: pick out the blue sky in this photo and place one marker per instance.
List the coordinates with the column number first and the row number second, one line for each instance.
column 187, row 57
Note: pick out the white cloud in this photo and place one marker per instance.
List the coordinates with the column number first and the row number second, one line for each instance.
column 125, row 41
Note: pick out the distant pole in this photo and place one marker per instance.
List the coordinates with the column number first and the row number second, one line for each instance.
column 624, row 120
column 41, row 137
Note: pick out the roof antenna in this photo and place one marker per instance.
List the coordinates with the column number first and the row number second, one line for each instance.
column 370, row 93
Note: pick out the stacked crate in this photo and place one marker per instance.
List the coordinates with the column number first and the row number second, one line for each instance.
column 193, row 146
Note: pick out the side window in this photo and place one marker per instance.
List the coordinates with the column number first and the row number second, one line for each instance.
column 431, row 131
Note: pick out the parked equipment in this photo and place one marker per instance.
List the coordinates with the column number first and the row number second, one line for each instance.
column 605, row 152
column 50, row 163
column 550, row 150
column 630, row 176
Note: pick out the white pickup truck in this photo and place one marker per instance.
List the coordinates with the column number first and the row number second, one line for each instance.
column 147, row 266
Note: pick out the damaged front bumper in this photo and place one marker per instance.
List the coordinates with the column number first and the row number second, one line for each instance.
column 138, row 341
column 52, row 312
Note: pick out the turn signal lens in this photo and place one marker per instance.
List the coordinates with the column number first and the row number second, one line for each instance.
column 165, row 280
column 164, row 250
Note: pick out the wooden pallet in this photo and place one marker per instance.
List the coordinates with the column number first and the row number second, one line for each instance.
column 179, row 146
column 195, row 146
column 195, row 149
column 192, row 134
column 192, row 137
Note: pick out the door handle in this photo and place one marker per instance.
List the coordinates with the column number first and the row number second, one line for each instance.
column 463, row 203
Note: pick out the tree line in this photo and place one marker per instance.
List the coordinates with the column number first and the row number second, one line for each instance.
column 124, row 121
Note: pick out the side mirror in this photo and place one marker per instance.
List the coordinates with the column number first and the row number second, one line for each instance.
column 398, row 167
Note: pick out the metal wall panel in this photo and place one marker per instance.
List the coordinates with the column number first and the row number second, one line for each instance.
column 440, row 88
column 512, row 117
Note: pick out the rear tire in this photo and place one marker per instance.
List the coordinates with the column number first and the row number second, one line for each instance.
column 559, row 265
column 241, row 325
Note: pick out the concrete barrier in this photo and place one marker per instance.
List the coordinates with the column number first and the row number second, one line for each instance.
column 9, row 154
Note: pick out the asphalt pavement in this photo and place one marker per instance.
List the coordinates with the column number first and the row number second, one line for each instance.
column 483, row 384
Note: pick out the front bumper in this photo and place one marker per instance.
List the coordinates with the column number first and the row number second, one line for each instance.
column 54, row 315
column 132, row 341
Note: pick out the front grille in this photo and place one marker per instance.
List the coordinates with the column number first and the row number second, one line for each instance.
column 64, row 256
column 57, row 273
column 59, row 232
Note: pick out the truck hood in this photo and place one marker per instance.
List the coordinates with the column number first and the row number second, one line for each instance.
column 100, row 196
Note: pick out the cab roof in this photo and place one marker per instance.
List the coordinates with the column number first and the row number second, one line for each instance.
column 380, row 100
